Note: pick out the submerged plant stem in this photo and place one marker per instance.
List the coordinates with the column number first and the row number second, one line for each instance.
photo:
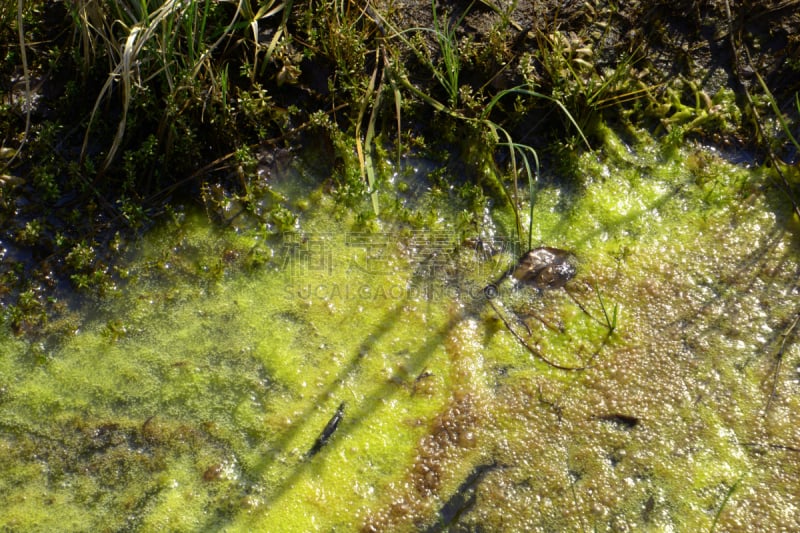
column 724, row 502
column 522, row 341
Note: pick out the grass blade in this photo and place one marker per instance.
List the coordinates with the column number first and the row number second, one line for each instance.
column 775, row 109
column 724, row 502
column 365, row 160
column 521, row 90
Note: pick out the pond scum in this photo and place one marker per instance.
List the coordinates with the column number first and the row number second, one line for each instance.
column 212, row 391
column 319, row 350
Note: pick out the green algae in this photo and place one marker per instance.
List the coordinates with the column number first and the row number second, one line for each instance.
column 190, row 399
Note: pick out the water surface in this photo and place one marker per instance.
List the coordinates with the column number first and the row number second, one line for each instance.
column 349, row 374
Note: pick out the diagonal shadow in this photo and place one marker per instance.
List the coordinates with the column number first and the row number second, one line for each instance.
column 354, row 414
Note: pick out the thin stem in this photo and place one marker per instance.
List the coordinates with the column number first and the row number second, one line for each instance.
column 525, row 344
column 724, row 502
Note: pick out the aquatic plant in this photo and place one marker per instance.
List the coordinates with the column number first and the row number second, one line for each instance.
column 488, row 129
column 176, row 43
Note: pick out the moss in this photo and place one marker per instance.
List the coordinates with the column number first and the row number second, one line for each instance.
column 198, row 388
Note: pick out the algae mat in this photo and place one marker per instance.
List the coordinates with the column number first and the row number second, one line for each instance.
column 350, row 376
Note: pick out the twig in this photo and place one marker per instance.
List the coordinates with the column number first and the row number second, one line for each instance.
column 525, row 344
column 779, row 361
column 781, row 447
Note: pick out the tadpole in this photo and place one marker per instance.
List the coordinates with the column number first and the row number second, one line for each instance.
column 327, row 432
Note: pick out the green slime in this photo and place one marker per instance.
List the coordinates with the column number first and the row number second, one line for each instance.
column 190, row 399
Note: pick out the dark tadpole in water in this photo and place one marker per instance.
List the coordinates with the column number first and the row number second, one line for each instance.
column 541, row 268
column 327, row 432
column 462, row 500
column 545, row 268
column 620, row 421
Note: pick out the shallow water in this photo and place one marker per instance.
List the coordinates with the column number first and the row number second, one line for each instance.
column 193, row 397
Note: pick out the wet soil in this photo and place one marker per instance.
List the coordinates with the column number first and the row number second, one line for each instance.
column 713, row 44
